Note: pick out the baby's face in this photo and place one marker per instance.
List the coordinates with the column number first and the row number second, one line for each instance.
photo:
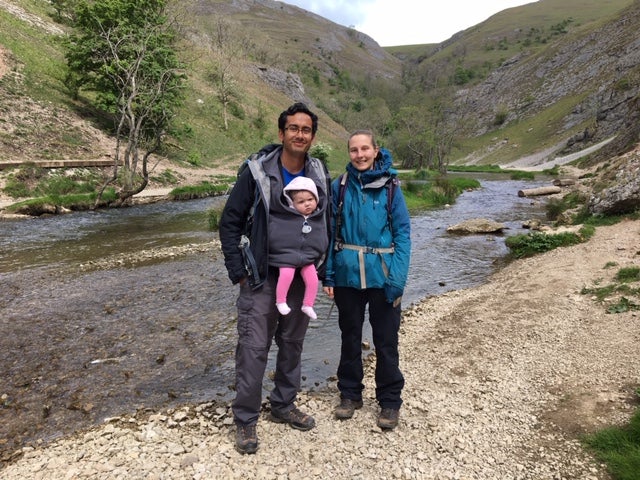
column 304, row 202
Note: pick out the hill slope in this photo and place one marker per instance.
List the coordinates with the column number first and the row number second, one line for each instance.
column 547, row 78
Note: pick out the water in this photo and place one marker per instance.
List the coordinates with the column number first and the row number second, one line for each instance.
column 84, row 345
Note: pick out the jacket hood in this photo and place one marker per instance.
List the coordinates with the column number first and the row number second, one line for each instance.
column 381, row 168
column 300, row 183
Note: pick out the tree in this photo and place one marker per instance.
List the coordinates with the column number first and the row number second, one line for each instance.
column 123, row 50
column 64, row 8
column 227, row 48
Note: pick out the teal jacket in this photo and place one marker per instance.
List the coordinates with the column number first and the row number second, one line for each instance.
column 364, row 228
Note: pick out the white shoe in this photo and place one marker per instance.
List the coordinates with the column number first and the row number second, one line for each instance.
column 309, row 311
column 283, row 308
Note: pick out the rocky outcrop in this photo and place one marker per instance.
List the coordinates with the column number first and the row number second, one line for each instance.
column 285, row 82
column 623, row 193
column 597, row 69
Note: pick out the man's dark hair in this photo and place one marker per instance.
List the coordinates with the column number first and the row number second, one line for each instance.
column 298, row 108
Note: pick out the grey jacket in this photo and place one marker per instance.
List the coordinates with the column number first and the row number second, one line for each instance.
column 263, row 180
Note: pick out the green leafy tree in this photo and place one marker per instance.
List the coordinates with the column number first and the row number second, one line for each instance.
column 64, row 8
column 124, row 52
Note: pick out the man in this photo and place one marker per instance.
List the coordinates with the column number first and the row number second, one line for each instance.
column 251, row 226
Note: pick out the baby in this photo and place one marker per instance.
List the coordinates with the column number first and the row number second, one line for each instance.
column 302, row 195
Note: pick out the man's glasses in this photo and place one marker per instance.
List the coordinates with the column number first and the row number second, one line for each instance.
column 295, row 129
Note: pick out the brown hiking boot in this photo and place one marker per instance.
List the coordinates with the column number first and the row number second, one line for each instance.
column 295, row 418
column 246, row 438
column 346, row 408
column 388, row 418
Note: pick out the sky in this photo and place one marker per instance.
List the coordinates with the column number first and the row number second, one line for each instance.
column 407, row 22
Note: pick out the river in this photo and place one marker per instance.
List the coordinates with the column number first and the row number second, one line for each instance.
column 80, row 344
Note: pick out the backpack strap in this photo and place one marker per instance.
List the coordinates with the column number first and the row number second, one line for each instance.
column 262, row 190
column 391, row 186
column 342, row 189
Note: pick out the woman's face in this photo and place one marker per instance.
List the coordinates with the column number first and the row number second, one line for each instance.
column 362, row 153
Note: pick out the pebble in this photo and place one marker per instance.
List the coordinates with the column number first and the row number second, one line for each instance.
column 489, row 373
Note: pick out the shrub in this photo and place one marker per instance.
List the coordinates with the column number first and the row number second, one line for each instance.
column 628, row 274
column 527, row 245
column 321, row 151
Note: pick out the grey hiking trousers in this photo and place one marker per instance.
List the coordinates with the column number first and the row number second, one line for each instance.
column 259, row 322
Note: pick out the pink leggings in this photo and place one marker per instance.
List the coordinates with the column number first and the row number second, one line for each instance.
column 310, row 278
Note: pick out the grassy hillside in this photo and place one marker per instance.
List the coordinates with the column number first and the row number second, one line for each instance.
column 506, row 75
column 41, row 121
column 347, row 77
column 508, row 32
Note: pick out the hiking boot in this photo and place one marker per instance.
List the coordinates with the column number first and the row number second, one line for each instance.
column 246, row 438
column 346, row 408
column 295, row 418
column 388, row 418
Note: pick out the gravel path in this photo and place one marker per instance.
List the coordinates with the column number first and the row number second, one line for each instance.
column 501, row 381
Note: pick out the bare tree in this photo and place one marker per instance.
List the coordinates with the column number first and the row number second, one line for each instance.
column 227, row 49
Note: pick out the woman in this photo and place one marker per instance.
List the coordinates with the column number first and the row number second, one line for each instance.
column 368, row 264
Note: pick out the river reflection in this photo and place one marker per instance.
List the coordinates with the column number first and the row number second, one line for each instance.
column 88, row 345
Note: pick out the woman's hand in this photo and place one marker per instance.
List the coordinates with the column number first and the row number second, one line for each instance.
column 328, row 291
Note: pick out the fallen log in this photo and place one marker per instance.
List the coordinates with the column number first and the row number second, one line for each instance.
column 531, row 192
column 563, row 182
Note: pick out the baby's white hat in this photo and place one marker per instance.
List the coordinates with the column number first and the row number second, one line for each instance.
column 301, row 183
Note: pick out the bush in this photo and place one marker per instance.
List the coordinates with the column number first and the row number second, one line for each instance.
column 62, row 185
column 442, row 191
column 527, row 245
column 16, row 189
column 321, row 151
column 628, row 274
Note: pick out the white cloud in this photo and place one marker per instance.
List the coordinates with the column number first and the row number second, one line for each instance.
column 407, row 22
column 347, row 13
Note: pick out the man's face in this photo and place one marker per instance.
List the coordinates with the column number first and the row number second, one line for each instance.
column 297, row 136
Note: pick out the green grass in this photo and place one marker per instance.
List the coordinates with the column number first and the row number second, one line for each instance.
column 604, row 220
column 618, row 448
column 437, row 193
column 205, row 189
column 214, row 215
column 513, row 174
column 527, row 245
column 476, row 168
column 40, row 57
column 532, row 134
column 600, row 292
column 628, row 274
column 623, row 277
column 555, row 207
column 32, row 181
column 49, row 203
